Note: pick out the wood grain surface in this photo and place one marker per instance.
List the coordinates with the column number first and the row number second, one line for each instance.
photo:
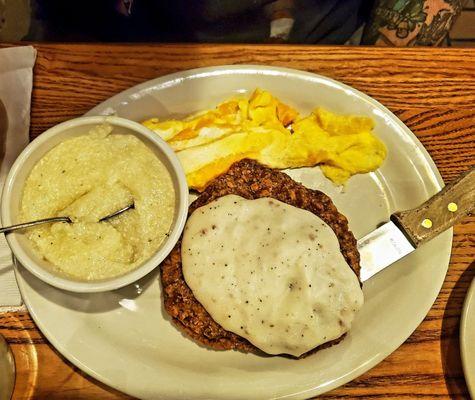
column 431, row 90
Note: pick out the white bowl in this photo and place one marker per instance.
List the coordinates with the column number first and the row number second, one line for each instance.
column 13, row 189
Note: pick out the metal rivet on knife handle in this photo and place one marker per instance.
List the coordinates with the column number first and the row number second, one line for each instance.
column 438, row 209
column 427, row 223
column 452, row 207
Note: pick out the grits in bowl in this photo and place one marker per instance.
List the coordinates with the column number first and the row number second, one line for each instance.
column 87, row 178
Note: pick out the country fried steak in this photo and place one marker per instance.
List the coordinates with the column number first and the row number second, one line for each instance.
column 248, row 179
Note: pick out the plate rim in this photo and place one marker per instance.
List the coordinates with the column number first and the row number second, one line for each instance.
column 468, row 303
column 179, row 77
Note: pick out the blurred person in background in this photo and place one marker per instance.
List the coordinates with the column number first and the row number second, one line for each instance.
column 380, row 22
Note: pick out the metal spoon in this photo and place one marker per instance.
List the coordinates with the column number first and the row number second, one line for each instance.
column 24, row 225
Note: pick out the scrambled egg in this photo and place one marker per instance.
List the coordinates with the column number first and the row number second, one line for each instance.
column 273, row 133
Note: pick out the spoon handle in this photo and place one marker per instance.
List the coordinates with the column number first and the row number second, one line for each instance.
column 12, row 228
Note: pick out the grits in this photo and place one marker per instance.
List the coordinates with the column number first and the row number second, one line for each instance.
column 87, row 178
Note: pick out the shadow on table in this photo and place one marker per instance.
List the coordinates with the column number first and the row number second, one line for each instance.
column 449, row 344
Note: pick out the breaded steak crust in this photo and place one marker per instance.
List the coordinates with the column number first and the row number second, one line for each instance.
column 250, row 180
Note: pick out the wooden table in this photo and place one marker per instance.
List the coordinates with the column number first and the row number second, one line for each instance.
column 431, row 90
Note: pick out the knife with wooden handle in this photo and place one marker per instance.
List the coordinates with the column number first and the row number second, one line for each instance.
column 409, row 229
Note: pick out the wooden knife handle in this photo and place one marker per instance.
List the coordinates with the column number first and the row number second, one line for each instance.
column 440, row 212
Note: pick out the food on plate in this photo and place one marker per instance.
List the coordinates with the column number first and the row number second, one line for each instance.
column 87, row 178
column 286, row 289
column 256, row 223
column 265, row 129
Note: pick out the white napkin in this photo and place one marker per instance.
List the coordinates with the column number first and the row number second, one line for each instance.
column 16, row 82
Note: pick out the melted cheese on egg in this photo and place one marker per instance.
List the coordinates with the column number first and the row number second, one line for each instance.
column 343, row 145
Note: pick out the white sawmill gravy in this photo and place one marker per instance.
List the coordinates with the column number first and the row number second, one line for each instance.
column 270, row 272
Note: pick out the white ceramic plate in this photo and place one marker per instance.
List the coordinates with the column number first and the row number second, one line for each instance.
column 467, row 339
column 125, row 339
